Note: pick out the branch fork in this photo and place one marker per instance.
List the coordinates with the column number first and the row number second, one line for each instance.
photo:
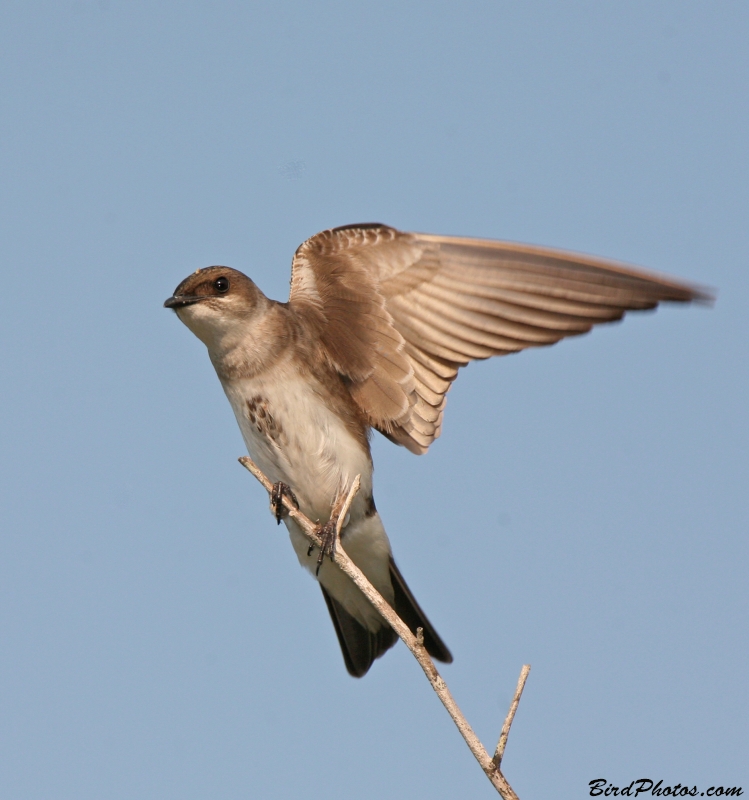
column 415, row 643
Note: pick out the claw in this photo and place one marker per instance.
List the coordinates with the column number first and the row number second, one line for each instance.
column 276, row 500
column 328, row 535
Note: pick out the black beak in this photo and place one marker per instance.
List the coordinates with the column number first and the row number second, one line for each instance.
column 181, row 300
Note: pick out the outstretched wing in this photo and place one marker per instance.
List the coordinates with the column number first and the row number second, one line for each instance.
column 399, row 313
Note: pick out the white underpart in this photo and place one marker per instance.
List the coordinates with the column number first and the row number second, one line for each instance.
column 318, row 458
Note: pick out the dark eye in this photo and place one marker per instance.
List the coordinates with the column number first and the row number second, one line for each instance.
column 221, row 285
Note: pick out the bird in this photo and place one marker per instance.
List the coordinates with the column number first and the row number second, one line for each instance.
column 376, row 328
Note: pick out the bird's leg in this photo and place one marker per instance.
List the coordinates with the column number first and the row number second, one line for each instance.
column 327, row 533
column 276, row 500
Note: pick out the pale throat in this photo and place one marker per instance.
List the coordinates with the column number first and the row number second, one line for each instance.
column 249, row 347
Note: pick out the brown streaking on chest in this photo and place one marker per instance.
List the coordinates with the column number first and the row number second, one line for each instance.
column 260, row 416
column 283, row 348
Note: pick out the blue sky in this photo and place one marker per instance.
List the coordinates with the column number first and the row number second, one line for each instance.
column 586, row 509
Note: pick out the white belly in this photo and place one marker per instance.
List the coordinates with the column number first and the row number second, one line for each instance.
column 295, row 438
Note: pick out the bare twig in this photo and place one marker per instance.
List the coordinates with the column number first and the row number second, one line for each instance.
column 502, row 743
column 340, row 514
column 414, row 643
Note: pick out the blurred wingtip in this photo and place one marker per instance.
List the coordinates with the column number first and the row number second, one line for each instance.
column 704, row 296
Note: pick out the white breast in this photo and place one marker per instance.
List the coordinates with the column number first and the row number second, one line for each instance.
column 294, row 437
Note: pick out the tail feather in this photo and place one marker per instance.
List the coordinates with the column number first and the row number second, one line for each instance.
column 360, row 646
column 410, row 612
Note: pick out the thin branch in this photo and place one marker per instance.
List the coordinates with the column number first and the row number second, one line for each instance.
column 414, row 644
column 502, row 743
column 340, row 514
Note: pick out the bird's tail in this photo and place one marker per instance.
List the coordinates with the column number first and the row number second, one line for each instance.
column 360, row 646
column 410, row 612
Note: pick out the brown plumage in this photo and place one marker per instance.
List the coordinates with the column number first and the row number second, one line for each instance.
column 399, row 313
column 377, row 325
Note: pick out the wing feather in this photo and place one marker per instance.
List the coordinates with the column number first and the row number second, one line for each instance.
column 397, row 314
column 464, row 312
column 541, row 319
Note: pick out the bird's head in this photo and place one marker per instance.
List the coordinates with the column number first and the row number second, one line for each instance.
column 216, row 302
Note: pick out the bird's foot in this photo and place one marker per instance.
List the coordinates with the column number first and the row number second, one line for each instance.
column 276, row 500
column 327, row 533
